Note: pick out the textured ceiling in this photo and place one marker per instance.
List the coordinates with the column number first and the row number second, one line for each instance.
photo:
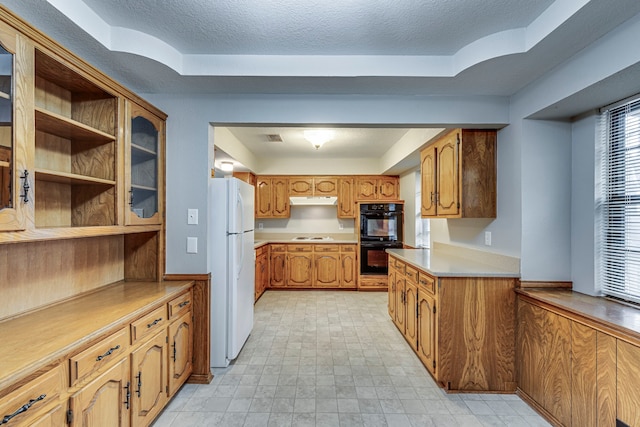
column 319, row 27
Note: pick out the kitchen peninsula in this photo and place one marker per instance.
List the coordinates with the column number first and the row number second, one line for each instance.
column 456, row 307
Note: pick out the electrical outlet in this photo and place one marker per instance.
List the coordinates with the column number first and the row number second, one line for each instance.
column 260, row 226
column 487, row 238
column 340, row 226
column 192, row 245
column 192, row 216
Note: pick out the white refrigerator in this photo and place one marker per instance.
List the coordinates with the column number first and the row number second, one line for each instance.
column 232, row 259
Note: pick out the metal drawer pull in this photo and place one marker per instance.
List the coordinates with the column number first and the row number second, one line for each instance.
column 139, row 378
column 23, row 408
column 154, row 323
column 108, row 353
column 182, row 304
column 127, row 394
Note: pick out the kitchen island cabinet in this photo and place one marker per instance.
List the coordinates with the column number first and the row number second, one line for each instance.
column 461, row 326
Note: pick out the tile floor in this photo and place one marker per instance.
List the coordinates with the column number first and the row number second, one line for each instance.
column 322, row 358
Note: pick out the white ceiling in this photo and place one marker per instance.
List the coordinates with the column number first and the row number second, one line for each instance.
column 345, row 47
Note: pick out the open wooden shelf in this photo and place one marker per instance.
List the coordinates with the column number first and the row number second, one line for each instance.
column 65, row 127
column 70, row 178
column 65, row 233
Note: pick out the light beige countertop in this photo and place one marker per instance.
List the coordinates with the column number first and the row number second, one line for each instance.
column 451, row 261
column 327, row 238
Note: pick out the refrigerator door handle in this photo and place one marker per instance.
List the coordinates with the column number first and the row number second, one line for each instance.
column 241, row 213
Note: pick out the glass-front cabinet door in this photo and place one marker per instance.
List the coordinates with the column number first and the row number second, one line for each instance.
column 14, row 178
column 144, row 166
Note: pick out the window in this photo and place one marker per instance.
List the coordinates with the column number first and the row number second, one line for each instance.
column 422, row 225
column 618, row 202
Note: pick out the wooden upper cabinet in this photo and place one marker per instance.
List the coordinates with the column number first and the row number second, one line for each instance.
column 325, row 186
column 372, row 188
column 428, row 181
column 247, row 177
column 144, row 165
column 272, row 197
column 15, row 91
column 301, row 186
column 346, row 198
column 458, row 173
column 313, row 186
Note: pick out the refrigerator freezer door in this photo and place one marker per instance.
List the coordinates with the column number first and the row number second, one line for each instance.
column 241, row 202
column 241, row 291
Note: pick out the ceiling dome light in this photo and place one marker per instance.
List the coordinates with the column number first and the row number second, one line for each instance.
column 317, row 137
column 226, row 166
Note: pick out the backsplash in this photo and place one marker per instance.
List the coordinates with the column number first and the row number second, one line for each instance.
column 308, row 219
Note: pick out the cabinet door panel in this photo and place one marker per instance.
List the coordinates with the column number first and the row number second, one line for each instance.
column 530, row 351
column 280, row 201
column 325, row 186
column 349, row 268
column 104, row 401
column 391, row 289
column 388, row 188
column 149, row 379
column 606, row 379
column 346, row 198
column 426, row 331
column 278, row 269
column 583, row 375
column 428, row 182
column 411, row 306
column 448, row 175
column 400, row 307
column 301, row 186
column 181, row 350
column 327, row 270
column 300, row 270
column 557, row 378
column 263, row 198
column 628, row 380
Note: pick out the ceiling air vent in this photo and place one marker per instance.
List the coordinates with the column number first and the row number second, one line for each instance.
column 274, row 137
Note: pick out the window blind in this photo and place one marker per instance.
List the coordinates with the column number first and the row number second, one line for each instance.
column 618, row 202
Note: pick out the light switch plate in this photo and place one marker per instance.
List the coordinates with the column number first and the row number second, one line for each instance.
column 192, row 216
column 192, row 245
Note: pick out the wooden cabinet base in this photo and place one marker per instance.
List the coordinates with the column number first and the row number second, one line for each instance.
column 378, row 282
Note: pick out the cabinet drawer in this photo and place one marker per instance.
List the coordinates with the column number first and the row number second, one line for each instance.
column 180, row 305
column 149, row 324
column 326, row 248
column 347, row 248
column 98, row 355
column 411, row 274
column 300, row 248
column 39, row 394
column 398, row 265
column 261, row 250
column 427, row 282
column 278, row 248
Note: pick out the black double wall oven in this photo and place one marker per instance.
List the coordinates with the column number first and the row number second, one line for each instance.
column 380, row 229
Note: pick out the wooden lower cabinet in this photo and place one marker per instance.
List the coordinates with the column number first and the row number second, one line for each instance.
column 299, row 268
column 53, row 418
column 262, row 271
column 180, row 352
column 105, row 401
column 575, row 374
column 311, row 266
column 426, row 340
column 467, row 343
column 149, row 380
column 278, row 266
column 326, row 269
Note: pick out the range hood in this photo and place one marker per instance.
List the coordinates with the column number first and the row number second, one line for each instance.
column 313, row 201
